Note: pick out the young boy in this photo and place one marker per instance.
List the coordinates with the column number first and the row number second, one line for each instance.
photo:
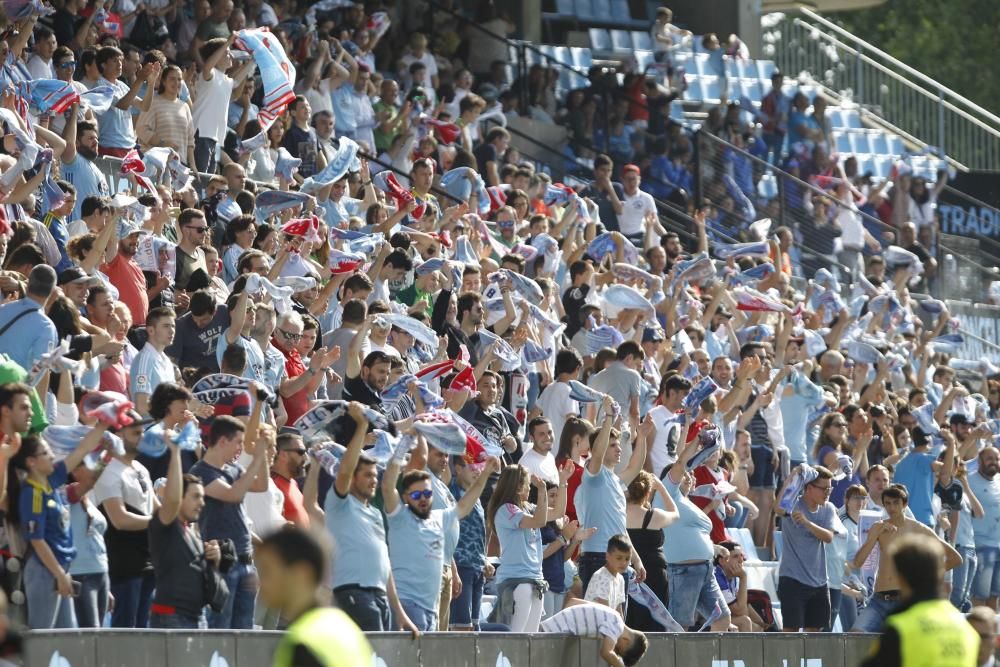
column 621, row 646
column 607, row 586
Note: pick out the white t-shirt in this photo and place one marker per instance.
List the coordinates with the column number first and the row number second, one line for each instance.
column 666, row 423
column 388, row 349
column 632, row 219
column 555, row 404
column 264, row 508
column 586, row 620
column 211, row 106
column 606, row 586
column 131, row 483
column 39, row 69
column 852, row 232
column 542, row 466
column 319, row 97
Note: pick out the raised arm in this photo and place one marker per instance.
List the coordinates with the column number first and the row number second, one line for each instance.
column 173, row 492
column 600, row 448
column 349, row 461
column 354, row 350
column 390, row 495
column 467, row 503
column 541, row 515
column 238, row 318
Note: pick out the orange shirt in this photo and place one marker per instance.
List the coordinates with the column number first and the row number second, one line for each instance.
column 128, row 279
column 294, row 509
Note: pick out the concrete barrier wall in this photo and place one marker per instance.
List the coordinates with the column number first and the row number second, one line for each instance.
column 146, row 648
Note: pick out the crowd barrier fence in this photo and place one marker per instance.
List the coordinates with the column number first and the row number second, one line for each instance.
column 163, row 648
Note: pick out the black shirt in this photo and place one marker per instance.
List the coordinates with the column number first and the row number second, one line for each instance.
column 574, row 299
column 486, row 153
column 304, row 145
column 179, row 563
column 356, row 389
column 608, row 216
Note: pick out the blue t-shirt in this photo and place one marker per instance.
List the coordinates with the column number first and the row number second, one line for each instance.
column 520, row 548
column 149, row 369
column 362, row 557
column 220, row 520
column 256, row 364
column 88, row 527
column 44, row 514
column 688, row 538
column 600, row 503
column 416, row 551
column 443, row 500
column 471, row 548
column 803, row 556
column 88, row 180
column 31, row 336
column 795, row 413
column 916, row 473
column 339, row 212
column 115, row 124
column 987, row 529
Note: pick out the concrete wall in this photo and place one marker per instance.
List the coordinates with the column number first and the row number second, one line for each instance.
column 147, row 648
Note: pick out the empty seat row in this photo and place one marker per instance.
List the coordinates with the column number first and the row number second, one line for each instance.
column 611, row 12
column 619, row 41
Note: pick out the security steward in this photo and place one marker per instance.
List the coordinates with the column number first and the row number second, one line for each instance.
column 291, row 564
column 926, row 631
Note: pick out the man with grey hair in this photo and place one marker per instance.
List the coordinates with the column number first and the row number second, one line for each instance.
column 26, row 332
column 300, row 383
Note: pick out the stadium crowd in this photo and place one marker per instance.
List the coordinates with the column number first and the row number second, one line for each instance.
column 370, row 318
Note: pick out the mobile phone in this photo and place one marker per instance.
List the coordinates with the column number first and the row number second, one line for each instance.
column 77, row 587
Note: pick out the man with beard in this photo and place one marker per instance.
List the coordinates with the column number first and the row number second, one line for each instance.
column 486, row 417
column 365, row 376
column 416, row 542
column 78, row 166
column 289, row 466
column 125, row 274
column 671, row 244
column 985, row 485
column 124, row 493
column 362, row 580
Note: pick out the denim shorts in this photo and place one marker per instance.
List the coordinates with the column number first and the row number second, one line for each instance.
column 987, row 581
column 693, row 588
column 873, row 616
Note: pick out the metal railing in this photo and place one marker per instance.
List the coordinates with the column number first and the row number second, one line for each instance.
column 888, row 91
column 956, row 256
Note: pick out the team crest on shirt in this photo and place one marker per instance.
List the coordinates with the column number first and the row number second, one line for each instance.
column 51, row 503
column 141, row 380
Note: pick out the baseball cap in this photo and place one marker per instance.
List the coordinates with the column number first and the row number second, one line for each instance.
column 75, row 274
column 651, row 335
column 126, row 228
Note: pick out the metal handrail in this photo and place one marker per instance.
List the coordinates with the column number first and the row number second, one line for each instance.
column 866, row 46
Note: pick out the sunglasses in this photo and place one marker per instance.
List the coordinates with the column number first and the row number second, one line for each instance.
column 199, row 230
column 69, row 64
column 824, row 489
column 290, row 336
column 301, row 451
column 417, row 495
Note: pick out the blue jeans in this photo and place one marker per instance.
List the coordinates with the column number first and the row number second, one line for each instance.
column 238, row 612
column 47, row 609
column 367, row 607
column 174, row 622
column 465, row 608
column 91, row 605
column 986, row 583
column 873, row 616
column 204, row 154
column 132, row 599
column 739, row 519
column 692, row 588
column 848, row 612
column 425, row 619
column 962, row 578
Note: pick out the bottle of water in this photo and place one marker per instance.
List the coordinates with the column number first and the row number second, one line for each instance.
column 950, row 270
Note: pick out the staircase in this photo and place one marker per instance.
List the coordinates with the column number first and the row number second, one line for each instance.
column 886, row 92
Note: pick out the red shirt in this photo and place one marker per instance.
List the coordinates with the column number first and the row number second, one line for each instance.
column 703, row 475
column 294, row 509
column 127, row 277
column 115, row 378
column 572, row 484
column 297, row 404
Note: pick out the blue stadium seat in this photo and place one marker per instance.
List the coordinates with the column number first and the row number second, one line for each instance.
column 677, row 112
column 643, row 59
column 866, row 164
column 683, row 60
column 732, row 70
column 764, row 69
column 694, row 88
column 581, row 57
column 882, row 166
column 562, row 55
column 852, row 118
column 620, row 12
column 747, row 68
column 836, row 118
column 711, row 89
column 565, row 7
column 896, row 146
column 548, row 51
column 698, row 63
column 602, row 10
column 532, row 56
column 861, row 142
column 880, row 144
column 752, row 89
column 843, row 143
column 621, row 40
column 584, row 10
column 599, row 39
column 641, row 41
